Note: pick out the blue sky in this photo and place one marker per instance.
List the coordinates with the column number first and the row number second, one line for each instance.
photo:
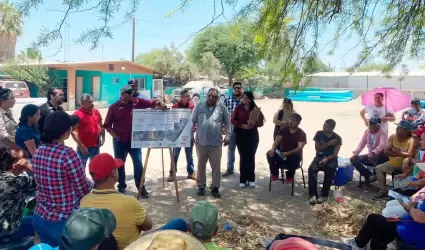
column 153, row 30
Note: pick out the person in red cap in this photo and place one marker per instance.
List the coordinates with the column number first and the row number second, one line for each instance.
column 132, row 217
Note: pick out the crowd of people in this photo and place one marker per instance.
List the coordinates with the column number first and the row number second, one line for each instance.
column 35, row 162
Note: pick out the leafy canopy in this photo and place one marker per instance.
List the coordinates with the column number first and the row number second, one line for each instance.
column 232, row 44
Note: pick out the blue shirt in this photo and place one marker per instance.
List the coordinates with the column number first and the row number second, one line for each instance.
column 25, row 133
column 410, row 231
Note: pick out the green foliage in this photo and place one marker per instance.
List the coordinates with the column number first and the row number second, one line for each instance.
column 313, row 65
column 209, row 65
column 10, row 28
column 169, row 61
column 232, row 44
column 370, row 67
column 26, row 67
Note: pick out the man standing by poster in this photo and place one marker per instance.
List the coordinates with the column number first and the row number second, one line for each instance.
column 210, row 117
column 119, row 123
column 231, row 102
column 184, row 103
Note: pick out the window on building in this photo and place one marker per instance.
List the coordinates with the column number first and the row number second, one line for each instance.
column 142, row 83
column 64, row 86
column 115, row 80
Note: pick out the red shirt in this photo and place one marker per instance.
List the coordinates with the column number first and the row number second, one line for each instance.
column 120, row 117
column 89, row 126
column 180, row 105
column 240, row 116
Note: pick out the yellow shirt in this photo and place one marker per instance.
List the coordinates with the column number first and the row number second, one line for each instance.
column 128, row 211
column 403, row 147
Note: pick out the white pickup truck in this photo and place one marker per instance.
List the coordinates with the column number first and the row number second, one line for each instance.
column 199, row 90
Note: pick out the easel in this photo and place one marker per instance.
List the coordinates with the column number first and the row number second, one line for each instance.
column 173, row 172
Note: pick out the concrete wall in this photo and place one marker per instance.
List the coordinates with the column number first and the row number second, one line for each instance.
column 88, row 79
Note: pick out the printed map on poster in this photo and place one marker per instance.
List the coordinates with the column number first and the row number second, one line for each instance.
column 161, row 129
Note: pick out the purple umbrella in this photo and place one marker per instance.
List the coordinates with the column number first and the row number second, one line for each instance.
column 393, row 98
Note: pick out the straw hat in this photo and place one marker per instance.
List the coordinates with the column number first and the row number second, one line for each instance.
column 166, row 240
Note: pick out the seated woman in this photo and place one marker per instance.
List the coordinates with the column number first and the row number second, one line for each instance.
column 27, row 136
column 415, row 112
column 281, row 117
column 379, row 231
column 16, row 187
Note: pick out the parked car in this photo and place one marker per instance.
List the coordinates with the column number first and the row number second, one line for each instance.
column 19, row 88
column 199, row 90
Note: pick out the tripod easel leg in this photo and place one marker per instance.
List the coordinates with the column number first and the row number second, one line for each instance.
column 142, row 180
column 163, row 173
column 173, row 170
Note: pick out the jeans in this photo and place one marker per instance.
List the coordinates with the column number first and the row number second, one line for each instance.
column 378, row 231
column 93, row 151
column 247, row 142
column 329, row 169
column 49, row 231
column 189, row 159
column 175, row 224
column 364, row 159
column 25, row 229
column 291, row 164
column 121, row 150
column 231, row 153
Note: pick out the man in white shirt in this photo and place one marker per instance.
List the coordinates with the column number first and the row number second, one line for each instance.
column 378, row 111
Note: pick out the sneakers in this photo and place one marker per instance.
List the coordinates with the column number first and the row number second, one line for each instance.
column 144, row 193
column 192, row 176
column 312, row 200
column 227, row 174
column 322, row 199
column 170, row 178
column 252, row 184
column 215, row 193
column 242, row 185
column 273, row 177
column 201, row 192
column 352, row 245
column 380, row 196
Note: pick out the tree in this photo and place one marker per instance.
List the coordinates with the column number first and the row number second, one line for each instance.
column 381, row 67
column 232, row 44
column 169, row 61
column 26, row 67
column 313, row 65
column 209, row 65
column 10, row 29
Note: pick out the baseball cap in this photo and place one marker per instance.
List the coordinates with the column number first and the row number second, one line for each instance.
column 406, row 124
column 102, row 165
column 132, row 82
column 374, row 121
column 58, row 122
column 125, row 88
column 203, row 219
column 415, row 101
column 86, row 228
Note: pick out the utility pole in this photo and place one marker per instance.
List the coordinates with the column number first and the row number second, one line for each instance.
column 134, row 39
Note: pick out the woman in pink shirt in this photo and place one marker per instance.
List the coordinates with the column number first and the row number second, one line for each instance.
column 375, row 139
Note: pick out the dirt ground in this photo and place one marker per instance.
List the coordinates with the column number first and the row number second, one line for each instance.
column 281, row 211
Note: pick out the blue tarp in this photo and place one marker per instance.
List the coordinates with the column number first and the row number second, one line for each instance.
column 322, row 96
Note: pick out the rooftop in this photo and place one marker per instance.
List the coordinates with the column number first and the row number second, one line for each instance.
column 372, row 73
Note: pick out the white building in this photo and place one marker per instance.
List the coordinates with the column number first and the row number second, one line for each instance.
column 411, row 81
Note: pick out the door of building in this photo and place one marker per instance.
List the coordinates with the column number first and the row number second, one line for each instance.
column 96, row 88
column 79, row 90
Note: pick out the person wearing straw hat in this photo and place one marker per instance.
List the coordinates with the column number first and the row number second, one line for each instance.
column 132, row 217
column 167, row 240
column 85, row 229
column 203, row 223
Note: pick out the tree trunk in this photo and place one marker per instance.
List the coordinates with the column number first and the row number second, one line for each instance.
column 7, row 46
column 230, row 76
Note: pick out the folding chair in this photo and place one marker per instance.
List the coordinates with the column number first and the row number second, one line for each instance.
column 293, row 181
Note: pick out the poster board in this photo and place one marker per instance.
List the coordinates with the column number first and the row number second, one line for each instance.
column 161, row 129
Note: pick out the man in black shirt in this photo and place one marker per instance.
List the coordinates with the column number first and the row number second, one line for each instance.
column 54, row 100
column 327, row 144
